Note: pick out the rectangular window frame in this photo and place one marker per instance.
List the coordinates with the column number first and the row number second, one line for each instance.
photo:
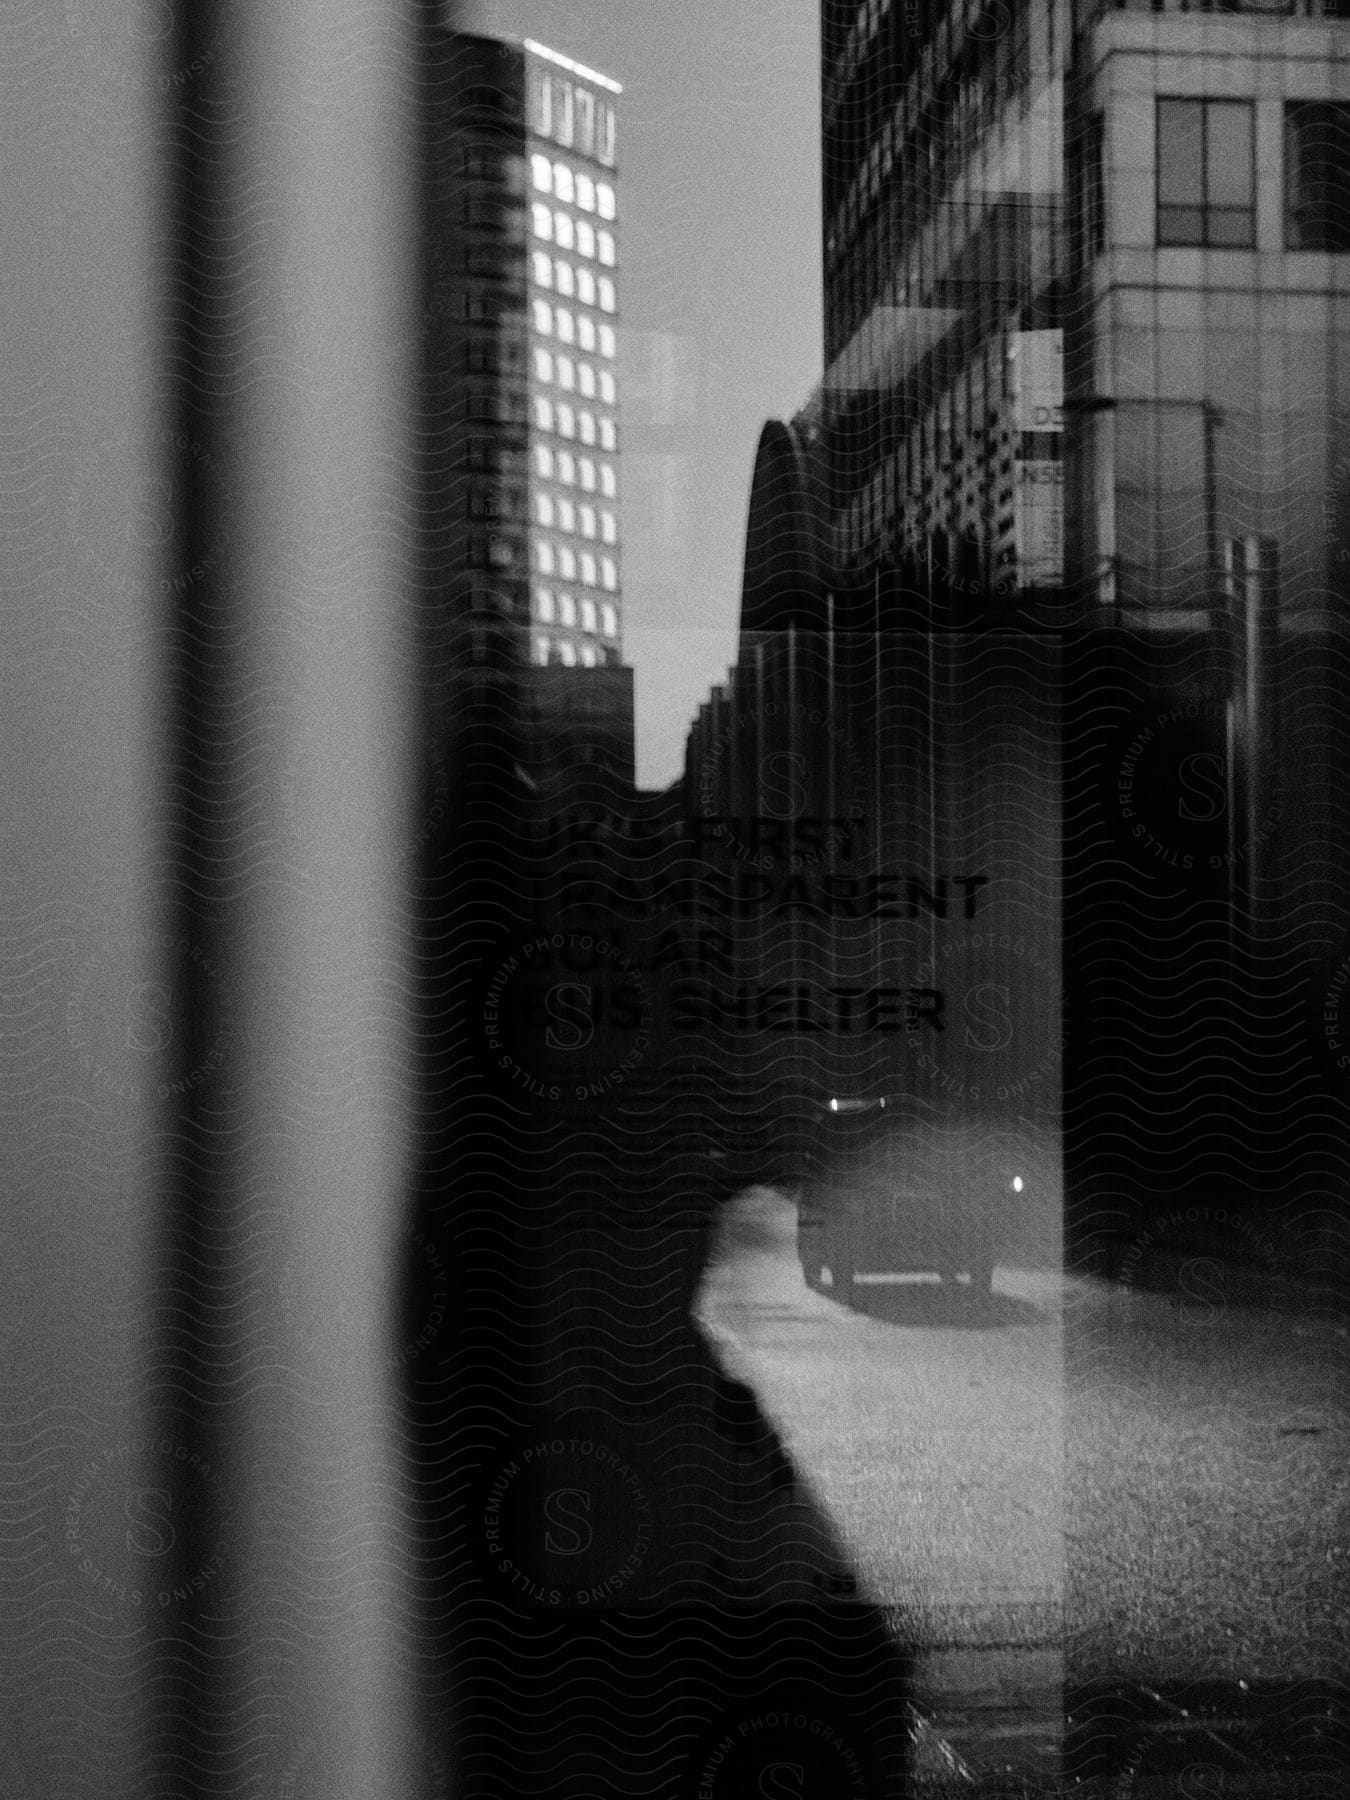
column 1214, row 223
column 1330, row 232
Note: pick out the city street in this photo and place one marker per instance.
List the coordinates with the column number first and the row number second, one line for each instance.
column 1110, row 1490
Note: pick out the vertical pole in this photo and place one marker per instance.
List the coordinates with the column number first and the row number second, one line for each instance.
column 1262, row 638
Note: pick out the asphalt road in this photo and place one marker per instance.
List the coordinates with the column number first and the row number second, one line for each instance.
column 1124, row 1492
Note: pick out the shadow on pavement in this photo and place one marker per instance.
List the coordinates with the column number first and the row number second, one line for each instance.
column 930, row 1304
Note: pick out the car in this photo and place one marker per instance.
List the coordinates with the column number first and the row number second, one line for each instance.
column 892, row 1191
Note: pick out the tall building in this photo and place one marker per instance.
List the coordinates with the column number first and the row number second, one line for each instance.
column 942, row 185
column 522, row 363
column 1094, row 243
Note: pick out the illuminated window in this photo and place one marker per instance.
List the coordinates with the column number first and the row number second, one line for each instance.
column 543, row 461
column 568, row 655
column 607, row 389
column 543, row 220
column 585, row 238
column 605, row 245
column 585, row 193
column 586, row 332
column 565, row 282
column 585, row 122
column 543, row 366
column 566, row 467
column 542, row 103
column 567, row 516
column 588, row 568
column 567, row 377
column 562, row 181
column 543, row 268
column 562, row 230
column 567, row 563
column 607, row 480
column 604, row 134
column 541, row 651
column 541, row 171
column 588, row 621
column 562, row 113
column 609, row 573
column 1206, row 173
column 543, row 604
column 609, row 529
column 588, row 474
column 567, row 421
column 606, row 287
column 564, row 322
column 609, row 621
column 586, row 287
column 586, row 427
column 543, row 412
column 543, row 509
column 607, row 342
column 543, row 317
column 543, row 557
column 604, row 200
column 567, row 611
column 586, row 380
column 587, row 516
column 588, row 656
column 609, row 439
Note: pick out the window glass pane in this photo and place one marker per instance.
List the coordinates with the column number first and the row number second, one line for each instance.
column 562, row 112
column 609, row 441
column 567, row 610
column 586, row 426
column 606, row 295
column 588, row 568
column 543, row 317
column 567, row 515
column 610, row 621
column 586, row 333
column 610, row 573
column 562, row 227
column 607, row 340
column 543, row 269
column 543, row 412
column 585, row 193
column 1232, row 228
column 562, row 181
column 585, row 121
column 566, row 467
column 543, row 104
column 1180, row 148
column 543, row 220
column 607, row 387
column 606, row 246
column 541, row 651
column 564, row 322
column 566, row 373
column 588, row 656
column 604, row 200
column 586, row 380
column 541, row 172
column 567, row 562
column 586, row 286
column 1181, row 225
column 543, row 366
column 568, row 654
column 566, row 422
column 565, row 283
column 588, row 615
column 543, row 460
column 585, row 238
column 1228, row 153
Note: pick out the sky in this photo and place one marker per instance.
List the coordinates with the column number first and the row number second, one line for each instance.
column 720, row 302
